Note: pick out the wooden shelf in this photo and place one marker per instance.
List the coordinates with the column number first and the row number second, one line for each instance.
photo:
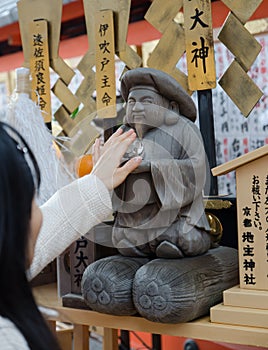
column 199, row 329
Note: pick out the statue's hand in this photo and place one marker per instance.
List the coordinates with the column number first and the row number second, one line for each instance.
column 144, row 167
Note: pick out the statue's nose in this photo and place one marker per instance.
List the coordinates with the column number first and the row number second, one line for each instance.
column 138, row 106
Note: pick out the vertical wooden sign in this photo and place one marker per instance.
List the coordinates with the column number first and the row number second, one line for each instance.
column 199, row 44
column 252, row 214
column 105, row 64
column 39, row 67
column 79, row 260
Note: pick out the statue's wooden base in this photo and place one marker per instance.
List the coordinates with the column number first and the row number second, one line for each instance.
column 242, row 307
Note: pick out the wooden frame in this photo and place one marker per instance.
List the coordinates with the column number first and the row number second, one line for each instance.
column 199, row 329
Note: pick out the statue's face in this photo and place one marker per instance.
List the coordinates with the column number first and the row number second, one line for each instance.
column 145, row 110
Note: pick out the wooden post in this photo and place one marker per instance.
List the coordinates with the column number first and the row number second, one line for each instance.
column 110, row 339
column 206, row 122
column 156, row 341
column 81, row 337
column 124, row 337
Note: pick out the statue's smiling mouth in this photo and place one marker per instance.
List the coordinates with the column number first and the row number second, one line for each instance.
column 138, row 116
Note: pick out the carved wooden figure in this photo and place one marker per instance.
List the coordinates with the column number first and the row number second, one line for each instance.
column 166, row 271
column 159, row 208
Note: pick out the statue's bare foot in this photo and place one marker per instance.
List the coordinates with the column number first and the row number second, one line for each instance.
column 107, row 284
column 180, row 290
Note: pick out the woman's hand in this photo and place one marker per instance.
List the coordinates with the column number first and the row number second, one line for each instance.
column 98, row 149
column 144, row 167
column 107, row 161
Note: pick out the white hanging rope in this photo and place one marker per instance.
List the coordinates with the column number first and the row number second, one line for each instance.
column 25, row 116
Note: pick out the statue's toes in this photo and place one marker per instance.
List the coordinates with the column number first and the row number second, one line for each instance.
column 154, row 297
column 167, row 249
column 107, row 284
column 150, row 296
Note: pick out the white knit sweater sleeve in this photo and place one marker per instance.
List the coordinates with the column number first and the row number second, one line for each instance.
column 10, row 337
column 69, row 214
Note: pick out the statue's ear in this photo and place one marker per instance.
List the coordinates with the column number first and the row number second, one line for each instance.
column 174, row 106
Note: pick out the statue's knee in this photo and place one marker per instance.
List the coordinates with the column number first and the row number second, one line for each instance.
column 194, row 242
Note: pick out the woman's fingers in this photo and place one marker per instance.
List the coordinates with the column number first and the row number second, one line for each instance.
column 111, row 140
column 114, row 136
column 129, row 166
column 121, row 173
column 118, row 146
column 107, row 167
column 121, row 145
column 118, row 136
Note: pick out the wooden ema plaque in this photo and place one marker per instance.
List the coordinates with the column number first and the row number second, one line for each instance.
column 39, row 67
column 247, row 304
column 105, row 64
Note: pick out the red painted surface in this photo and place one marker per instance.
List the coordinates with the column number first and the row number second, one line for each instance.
column 141, row 32
column 177, row 343
column 74, row 47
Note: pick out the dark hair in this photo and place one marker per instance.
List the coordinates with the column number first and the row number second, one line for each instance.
column 17, row 189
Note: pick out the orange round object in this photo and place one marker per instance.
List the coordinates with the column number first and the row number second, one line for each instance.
column 84, row 165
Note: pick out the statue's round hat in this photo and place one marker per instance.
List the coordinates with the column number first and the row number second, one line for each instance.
column 163, row 83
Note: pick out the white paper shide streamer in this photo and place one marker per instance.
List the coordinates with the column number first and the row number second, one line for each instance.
column 25, row 116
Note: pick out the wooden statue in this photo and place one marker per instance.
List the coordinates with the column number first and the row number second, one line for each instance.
column 159, row 208
column 169, row 270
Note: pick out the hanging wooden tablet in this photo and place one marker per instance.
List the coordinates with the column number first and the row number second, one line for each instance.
column 105, row 64
column 63, row 118
column 39, row 67
column 120, row 9
column 243, row 9
column 238, row 40
column 82, row 136
column 199, row 44
column 174, row 33
column 30, row 10
column 71, row 102
column 87, row 87
column 240, row 88
column 51, row 11
column 130, row 57
column 161, row 14
column 245, row 49
column 165, row 56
